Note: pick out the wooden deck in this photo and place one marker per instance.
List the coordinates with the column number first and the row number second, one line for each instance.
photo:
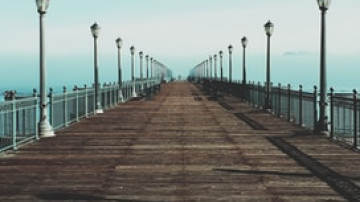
column 181, row 147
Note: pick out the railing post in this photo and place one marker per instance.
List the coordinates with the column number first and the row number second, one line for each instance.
column 103, row 96
column 112, row 95
column 259, row 100
column 86, row 101
column 253, row 94
column 301, row 123
column 271, row 111
column 94, row 102
column 289, row 102
column 279, row 102
column 332, row 119
column 14, row 142
column 35, row 115
column 77, row 103
column 315, row 106
column 51, row 106
column 65, row 107
column 355, row 108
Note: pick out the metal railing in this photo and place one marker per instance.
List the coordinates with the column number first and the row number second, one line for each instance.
column 344, row 118
column 19, row 117
column 298, row 106
column 18, row 122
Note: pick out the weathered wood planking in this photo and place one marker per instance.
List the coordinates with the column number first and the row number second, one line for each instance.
column 180, row 148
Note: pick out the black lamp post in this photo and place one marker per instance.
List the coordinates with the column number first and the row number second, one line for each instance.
column 244, row 42
column 322, row 125
column 119, row 45
column 152, row 67
column 221, row 66
column 210, row 67
column 215, row 66
column 269, row 29
column 45, row 129
column 95, row 30
column 147, row 66
column 230, row 62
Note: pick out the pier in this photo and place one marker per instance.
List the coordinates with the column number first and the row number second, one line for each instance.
column 182, row 145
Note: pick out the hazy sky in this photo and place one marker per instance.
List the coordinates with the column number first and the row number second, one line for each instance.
column 179, row 33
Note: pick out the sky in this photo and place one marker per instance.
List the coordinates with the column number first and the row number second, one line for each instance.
column 180, row 34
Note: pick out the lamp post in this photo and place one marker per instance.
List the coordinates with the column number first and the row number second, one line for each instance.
column 147, row 66
column 151, row 66
column 269, row 29
column 215, row 69
column 244, row 42
column 221, row 66
column 207, row 68
column 141, row 54
column 230, row 62
column 119, row 45
column 45, row 129
column 95, row 30
column 155, row 69
column 322, row 125
column 210, row 66
column 132, row 50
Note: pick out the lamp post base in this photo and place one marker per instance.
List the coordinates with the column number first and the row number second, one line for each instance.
column 99, row 111
column 322, row 129
column 121, row 97
column 45, row 130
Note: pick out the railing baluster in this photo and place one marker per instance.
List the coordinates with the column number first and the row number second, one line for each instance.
column 332, row 115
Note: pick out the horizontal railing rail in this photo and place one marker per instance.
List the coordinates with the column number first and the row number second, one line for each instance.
column 19, row 117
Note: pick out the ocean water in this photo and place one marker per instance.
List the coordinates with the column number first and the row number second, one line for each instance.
column 22, row 74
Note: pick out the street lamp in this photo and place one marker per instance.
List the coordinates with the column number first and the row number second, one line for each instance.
column 207, row 68
column 230, row 62
column 119, row 45
column 45, row 129
column 95, row 30
column 221, row 66
column 147, row 66
column 322, row 125
column 215, row 69
column 269, row 29
column 151, row 66
column 141, row 54
column 132, row 50
column 210, row 66
column 244, row 42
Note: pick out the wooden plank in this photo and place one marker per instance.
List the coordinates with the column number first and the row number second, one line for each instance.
column 175, row 148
